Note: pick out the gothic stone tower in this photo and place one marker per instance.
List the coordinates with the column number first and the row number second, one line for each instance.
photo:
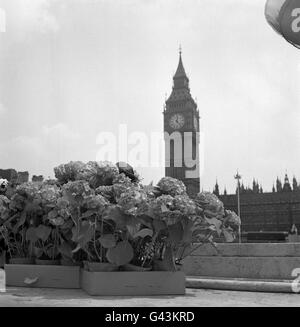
column 181, row 127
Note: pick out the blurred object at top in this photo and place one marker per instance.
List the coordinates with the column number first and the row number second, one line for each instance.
column 284, row 17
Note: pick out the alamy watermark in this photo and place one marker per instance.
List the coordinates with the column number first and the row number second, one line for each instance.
column 154, row 150
column 2, row 21
column 296, row 22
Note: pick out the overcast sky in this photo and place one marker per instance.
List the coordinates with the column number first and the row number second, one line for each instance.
column 71, row 69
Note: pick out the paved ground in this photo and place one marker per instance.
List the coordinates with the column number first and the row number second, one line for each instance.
column 193, row 298
column 13, row 296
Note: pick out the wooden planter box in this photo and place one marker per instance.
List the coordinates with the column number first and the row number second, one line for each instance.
column 46, row 276
column 133, row 283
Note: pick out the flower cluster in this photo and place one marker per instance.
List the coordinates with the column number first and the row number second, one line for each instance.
column 106, row 191
column 77, row 188
column 25, row 193
column 232, row 219
column 60, row 213
column 212, row 206
column 171, row 186
column 173, row 209
column 29, row 189
column 17, row 202
column 95, row 202
column 163, row 209
column 121, row 184
column 133, row 202
column 3, row 185
column 48, row 194
column 185, row 205
column 68, row 172
column 99, row 173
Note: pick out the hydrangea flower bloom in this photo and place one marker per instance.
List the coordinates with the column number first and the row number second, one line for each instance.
column 77, row 188
column 171, row 186
column 212, row 206
column 3, row 184
column 133, row 202
column 99, row 173
column 68, row 172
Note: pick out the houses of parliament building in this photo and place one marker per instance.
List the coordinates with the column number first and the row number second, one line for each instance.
column 272, row 211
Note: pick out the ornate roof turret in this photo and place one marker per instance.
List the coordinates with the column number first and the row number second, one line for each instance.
column 295, row 184
column 216, row 189
column 181, row 90
column 286, row 185
column 278, row 185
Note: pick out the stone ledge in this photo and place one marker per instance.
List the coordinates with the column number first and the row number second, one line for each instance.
column 242, row 267
column 239, row 284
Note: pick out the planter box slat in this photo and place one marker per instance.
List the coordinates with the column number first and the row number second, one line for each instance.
column 133, row 283
column 48, row 276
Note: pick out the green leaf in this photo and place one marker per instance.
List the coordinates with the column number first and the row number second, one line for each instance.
column 132, row 221
column 159, row 225
column 150, row 213
column 164, row 208
column 146, row 220
column 37, row 252
column 83, row 234
column 108, row 241
column 168, row 262
column 65, row 249
column 78, row 247
column 52, row 252
column 229, row 235
column 88, row 214
column 115, row 214
column 69, row 197
column 143, row 233
column 121, row 254
column 43, row 232
column 30, row 281
column 121, row 220
column 20, row 222
column 133, row 229
column 216, row 223
column 187, row 236
column 31, row 235
column 175, row 233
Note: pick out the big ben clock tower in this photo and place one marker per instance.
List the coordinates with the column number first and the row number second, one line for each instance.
column 181, row 127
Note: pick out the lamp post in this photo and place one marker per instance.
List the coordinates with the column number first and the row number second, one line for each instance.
column 238, row 177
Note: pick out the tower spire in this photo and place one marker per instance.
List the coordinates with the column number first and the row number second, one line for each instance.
column 180, row 72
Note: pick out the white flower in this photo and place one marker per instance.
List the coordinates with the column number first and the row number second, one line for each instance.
column 3, row 184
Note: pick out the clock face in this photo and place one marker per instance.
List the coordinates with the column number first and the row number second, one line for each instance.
column 177, row 121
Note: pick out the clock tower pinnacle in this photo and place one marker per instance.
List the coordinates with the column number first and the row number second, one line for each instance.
column 181, row 127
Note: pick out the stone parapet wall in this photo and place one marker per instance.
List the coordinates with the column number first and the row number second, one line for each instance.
column 253, row 260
